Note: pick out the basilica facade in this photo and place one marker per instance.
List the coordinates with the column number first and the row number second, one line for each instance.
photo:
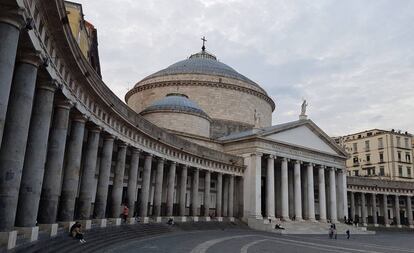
column 193, row 141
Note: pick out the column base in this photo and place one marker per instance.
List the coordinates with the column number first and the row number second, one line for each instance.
column 231, row 219
column 66, row 225
column 144, row 220
column 51, row 229
column 115, row 221
column 131, row 221
column 158, row 219
column 181, row 218
column 399, row 226
column 194, row 218
column 100, row 222
column 8, row 239
column 205, row 218
column 411, row 226
column 31, row 233
column 285, row 219
column 219, row 219
column 322, row 220
column 86, row 224
column 311, row 219
column 376, row 225
column 387, row 225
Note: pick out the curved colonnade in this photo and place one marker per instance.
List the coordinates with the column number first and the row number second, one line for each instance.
column 61, row 126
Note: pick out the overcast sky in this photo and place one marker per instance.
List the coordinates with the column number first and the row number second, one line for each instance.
column 353, row 60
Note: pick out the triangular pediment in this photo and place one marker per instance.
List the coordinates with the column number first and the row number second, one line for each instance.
column 306, row 136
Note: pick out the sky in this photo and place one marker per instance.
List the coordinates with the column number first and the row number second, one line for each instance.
column 353, row 60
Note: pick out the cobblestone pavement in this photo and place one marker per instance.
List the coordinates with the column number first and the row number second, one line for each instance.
column 248, row 241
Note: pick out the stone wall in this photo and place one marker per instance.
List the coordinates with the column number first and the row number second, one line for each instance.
column 218, row 102
column 181, row 122
column 220, row 128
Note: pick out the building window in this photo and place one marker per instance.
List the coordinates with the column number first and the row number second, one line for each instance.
column 368, row 158
column 399, row 156
column 355, row 147
column 398, row 142
column 408, row 172
column 366, row 145
column 356, row 172
column 407, row 145
column 380, row 143
column 381, row 157
column 355, row 159
column 407, row 157
column 382, row 173
column 400, row 170
column 369, row 134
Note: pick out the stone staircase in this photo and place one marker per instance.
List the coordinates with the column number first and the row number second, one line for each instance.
column 99, row 239
column 305, row 227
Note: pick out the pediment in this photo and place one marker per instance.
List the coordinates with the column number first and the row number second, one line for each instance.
column 304, row 136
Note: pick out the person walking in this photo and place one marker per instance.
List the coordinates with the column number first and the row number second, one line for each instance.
column 348, row 234
column 125, row 213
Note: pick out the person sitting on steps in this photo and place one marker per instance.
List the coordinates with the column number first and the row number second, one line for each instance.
column 76, row 232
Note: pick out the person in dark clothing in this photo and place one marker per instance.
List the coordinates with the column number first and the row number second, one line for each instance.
column 76, row 232
column 348, row 234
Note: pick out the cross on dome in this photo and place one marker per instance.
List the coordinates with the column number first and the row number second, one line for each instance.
column 203, row 48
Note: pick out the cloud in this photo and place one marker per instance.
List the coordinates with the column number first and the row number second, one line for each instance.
column 352, row 60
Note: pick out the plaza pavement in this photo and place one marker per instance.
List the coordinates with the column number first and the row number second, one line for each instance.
column 249, row 241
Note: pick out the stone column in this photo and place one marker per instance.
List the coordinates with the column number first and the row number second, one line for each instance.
column 103, row 179
column 254, row 185
column 35, row 157
column 297, row 191
column 364, row 210
column 170, row 192
column 340, row 195
column 219, row 211
column 194, row 194
column 158, row 189
column 344, row 193
column 207, row 183
column 52, row 178
column 385, row 209
column 15, row 134
column 11, row 21
column 352, row 196
column 145, row 189
column 311, row 193
column 332, row 195
column 374, row 209
column 183, row 189
column 116, row 197
column 132, row 181
column 397, row 211
column 322, row 194
column 72, row 169
column 87, row 188
column 231, row 196
column 270, row 188
column 225, row 195
column 409, row 212
column 285, row 190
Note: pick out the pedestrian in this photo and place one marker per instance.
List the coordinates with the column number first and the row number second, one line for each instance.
column 330, row 232
column 348, row 234
column 125, row 213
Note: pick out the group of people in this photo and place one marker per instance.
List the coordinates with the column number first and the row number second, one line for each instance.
column 333, row 233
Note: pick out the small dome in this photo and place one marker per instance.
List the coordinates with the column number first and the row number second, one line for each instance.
column 176, row 102
column 202, row 63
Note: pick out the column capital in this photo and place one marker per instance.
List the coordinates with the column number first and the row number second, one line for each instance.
column 271, row 156
column 161, row 159
column 29, row 56
column 135, row 150
column 149, row 155
column 64, row 104
column 285, row 159
column 50, row 85
column 108, row 136
column 80, row 118
column 256, row 154
column 95, row 129
column 298, row 161
column 173, row 162
column 12, row 15
column 311, row 164
column 122, row 144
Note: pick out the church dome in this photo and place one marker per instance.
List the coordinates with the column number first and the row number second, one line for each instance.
column 202, row 63
column 176, row 102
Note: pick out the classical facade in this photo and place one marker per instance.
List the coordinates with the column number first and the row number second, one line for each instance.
column 195, row 141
